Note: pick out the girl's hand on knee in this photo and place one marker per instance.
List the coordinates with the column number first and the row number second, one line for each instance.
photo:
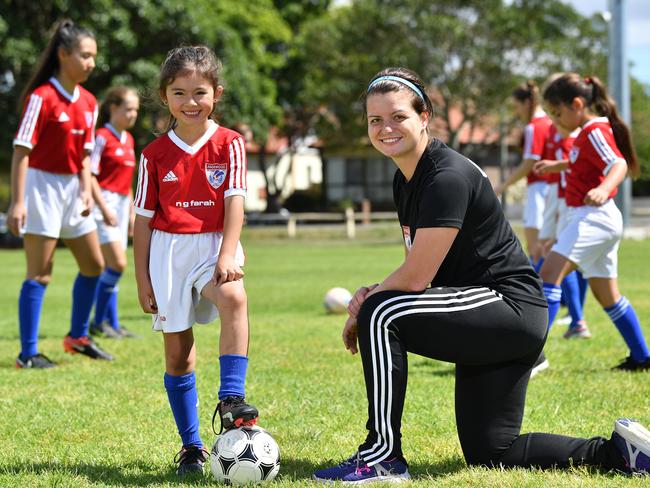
column 350, row 335
column 359, row 297
column 147, row 298
column 226, row 270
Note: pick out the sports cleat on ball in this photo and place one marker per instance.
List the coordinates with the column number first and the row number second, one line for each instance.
column 629, row 364
column 355, row 471
column 190, row 459
column 234, row 412
column 86, row 346
column 633, row 441
column 37, row 361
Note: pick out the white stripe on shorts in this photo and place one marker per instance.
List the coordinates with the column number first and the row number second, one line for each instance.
column 381, row 318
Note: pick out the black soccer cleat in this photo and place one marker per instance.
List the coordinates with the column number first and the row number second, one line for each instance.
column 190, row 459
column 37, row 361
column 234, row 412
column 86, row 346
column 103, row 330
column 630, row 364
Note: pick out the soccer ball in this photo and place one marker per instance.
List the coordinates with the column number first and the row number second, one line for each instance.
column 336, row 300
column 245, row 455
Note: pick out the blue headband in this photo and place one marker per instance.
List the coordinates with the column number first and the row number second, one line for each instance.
column 398, row 80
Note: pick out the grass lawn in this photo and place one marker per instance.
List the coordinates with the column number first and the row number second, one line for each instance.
column 91, row 423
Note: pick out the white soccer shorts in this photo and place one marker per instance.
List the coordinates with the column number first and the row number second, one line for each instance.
column 54, row 207
column 534, row 210
column 562, row 216
column 591, row 239
column 180, row 265
column 121, row 206
column 550, row 216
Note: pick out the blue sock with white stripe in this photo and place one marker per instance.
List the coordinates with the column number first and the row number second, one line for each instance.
column 624, row 317
column 553, row 294
column 571, row 294
column 584, row 286
column 111, row 310
column 538, row 265
column 184, row 401
column 233, row 375
column 105, row 289
column 83, row 296
column 30, row 303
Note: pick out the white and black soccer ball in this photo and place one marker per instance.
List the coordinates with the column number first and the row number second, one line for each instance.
column 336, row 300
column 245, row 455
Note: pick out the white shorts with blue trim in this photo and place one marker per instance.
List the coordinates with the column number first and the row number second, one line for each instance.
column 591, row 239
column 54, row 206
column 180, row 265
column 535, row 200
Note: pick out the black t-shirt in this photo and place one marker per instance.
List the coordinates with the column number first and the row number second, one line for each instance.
column 449, row 190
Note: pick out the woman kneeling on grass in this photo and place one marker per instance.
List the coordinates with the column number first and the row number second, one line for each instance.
column 484, row 310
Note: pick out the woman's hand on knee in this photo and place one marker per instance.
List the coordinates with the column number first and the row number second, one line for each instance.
column 350, row 335
column 359, row 297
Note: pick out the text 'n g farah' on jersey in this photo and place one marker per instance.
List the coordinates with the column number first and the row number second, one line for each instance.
column 449, row 190
column 593, row 154
column 112, row 160
column 58, row 127
column 182, row 188
column 536, row 135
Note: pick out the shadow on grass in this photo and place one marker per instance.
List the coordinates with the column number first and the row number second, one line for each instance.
column 130, row 474
column 431, row 367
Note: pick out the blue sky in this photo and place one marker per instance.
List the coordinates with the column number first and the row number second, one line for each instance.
column 638, row 31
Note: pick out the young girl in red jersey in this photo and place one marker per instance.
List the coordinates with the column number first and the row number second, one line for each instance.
column 189, row 207
column 528, row 109
column 598, row 163
column 51, row 187
column 113, row 165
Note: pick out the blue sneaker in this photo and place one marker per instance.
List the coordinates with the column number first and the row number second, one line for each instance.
column 633, row 440
column 338, row 472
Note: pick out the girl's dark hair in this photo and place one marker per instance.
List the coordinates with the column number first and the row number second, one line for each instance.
column 66, row 35
column 419, row 104
column 527, row 91
column 185, row 60
column 114, row 97
column 591, row 90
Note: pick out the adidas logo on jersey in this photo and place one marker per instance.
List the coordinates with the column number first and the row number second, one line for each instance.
column 63, row 117
column 170, row 177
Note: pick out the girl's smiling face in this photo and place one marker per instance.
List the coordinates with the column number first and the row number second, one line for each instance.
column 191, row 98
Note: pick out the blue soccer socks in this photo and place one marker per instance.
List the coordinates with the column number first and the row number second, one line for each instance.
column 184, row 402
column 106, row 296
column 83, row 295
column 624, row 317
column 553, row 294
column 233, row 375
column 571, row 294
column 30, row 303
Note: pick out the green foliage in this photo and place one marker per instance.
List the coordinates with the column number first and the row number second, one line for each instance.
column 641, row 127
column 98, row 424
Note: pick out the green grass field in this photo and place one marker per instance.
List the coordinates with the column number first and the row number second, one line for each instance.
column 91, row 423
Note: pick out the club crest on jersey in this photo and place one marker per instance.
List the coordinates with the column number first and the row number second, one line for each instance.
column 573, row 155
column 216, row 174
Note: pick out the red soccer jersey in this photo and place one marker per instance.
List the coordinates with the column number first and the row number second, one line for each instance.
column 593, row 154
column 183, row 187
column 113, row 159
column 535, row 137
column 58, row 127
column 550, row 152
column 562, row 150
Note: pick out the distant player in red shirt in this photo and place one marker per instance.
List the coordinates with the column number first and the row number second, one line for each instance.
column 598, row 163
column 189, row 206
column 536, row 134
column 51, row 187
column 113, row 166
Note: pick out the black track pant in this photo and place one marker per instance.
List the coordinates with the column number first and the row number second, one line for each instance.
column 494, row 342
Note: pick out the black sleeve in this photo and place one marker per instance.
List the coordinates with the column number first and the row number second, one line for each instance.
column 444, row 200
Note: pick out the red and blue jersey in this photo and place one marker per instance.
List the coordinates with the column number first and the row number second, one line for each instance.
column 58, row 127
column 536, row 134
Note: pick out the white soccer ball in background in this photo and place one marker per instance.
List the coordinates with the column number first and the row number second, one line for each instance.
column 245, row 455
column 336, row 300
